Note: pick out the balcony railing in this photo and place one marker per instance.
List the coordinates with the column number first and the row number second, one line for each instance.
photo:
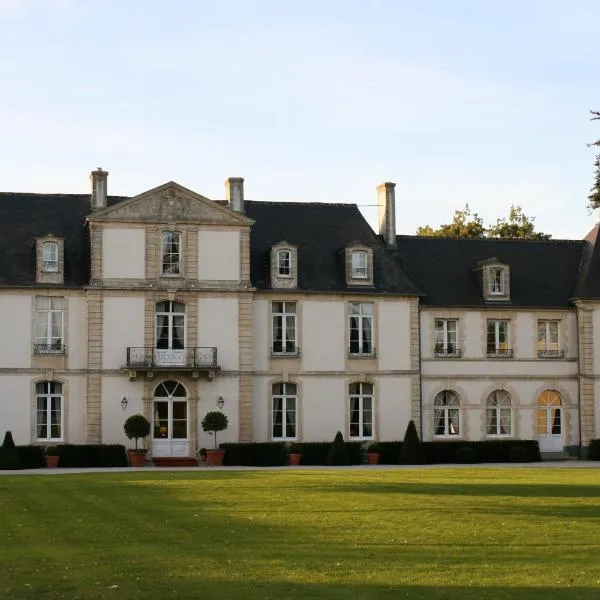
column 448, row 352
column 551, row 353
column 288, row 353
column 499, row 353
column 354, row 352
column 189, row 358
column 55, row 348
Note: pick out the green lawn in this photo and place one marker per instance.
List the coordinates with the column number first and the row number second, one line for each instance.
column 432, row 533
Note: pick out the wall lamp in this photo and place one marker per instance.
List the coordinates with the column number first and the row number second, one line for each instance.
column 221, row 402
column 124, row 402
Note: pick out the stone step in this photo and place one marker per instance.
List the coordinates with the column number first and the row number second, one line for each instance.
column 174, row 461
column 555, row 456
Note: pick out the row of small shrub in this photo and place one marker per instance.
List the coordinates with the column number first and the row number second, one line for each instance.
column 594, row 450
column 273, row 454
column 91, row 455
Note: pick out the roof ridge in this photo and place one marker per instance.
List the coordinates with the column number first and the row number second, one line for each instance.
column 486, row 239
column 299, row 203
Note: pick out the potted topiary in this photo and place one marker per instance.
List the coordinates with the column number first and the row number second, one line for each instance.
column 214, row 421
column 137, row 427
column 52, row 456
column 294, row 454
column 202, row 455
column 373, row 453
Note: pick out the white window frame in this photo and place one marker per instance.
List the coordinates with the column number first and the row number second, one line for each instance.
column 171, row 314
column 288, row 398
column 498, row 350
column 46, row 396
column 284, row 263
column 50, row 257
column 545, row 346
column 446, row 337
column 496, row 281
column 447, row 411
column 362, row 313
column 360, row 264
column 171, row 262
column 362, row 401
column 49, row 311
column 498, row 409
column 280, row 316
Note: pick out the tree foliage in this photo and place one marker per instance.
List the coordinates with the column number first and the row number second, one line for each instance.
column 594, row 197
column 468, row 224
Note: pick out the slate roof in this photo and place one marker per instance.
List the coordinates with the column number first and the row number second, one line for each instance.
column 542, row 273
column 320, row 231
column 25, row 217
column 589, row 285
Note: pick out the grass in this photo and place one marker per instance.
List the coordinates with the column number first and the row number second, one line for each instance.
column 344, row 534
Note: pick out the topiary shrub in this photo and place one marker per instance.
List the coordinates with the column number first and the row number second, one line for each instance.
column 466, row 456
column 213, row 422
column 519, row 454
column 594, row 450
column 137, row 427
column 412, row 451
column 338, row 455
column 9, row 455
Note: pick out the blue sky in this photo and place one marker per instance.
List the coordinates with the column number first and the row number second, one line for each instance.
column 477, row 101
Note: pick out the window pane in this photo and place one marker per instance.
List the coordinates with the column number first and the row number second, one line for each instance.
column 492, row 423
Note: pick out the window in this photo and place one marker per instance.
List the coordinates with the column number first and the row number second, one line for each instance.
column 284, row 397
column 49, row 325
column 49, row 410
column 170, row 325
column 284, row 328
column 360, row 265
column 361, row 329
column 361, row 410
column 446, row 414
column 497, row 338
column 498, row 413
column 548, row 342
column 496, row 286
column 445, row 338
column 284, row 263
column 171, row 253
column 50, row 257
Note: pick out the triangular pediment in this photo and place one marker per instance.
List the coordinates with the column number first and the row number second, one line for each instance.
column 170, row 203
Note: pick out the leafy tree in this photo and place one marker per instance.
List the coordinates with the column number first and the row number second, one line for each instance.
column 465, row 224
column 213, row 422
column 594, row 197
column 518, row 226
column 136, row 427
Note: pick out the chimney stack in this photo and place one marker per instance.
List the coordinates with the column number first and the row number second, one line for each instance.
column 99, row 188
column 234, row 193
column 386, row 200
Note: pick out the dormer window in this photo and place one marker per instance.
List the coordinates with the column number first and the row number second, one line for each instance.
column 360, row 265
column 49, row 257
column 496, row 285
column 171, row 253
column 284, row 263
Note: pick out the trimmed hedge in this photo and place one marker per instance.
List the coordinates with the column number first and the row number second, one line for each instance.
column 32, row 457
column 268, row 454
column 487, row 450
column 91, row 455
column 390, row 452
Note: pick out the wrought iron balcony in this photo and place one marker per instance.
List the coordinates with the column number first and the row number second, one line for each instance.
column 358, row 352
column 54, row 348
column 449, row 351
column 499, row 353
column 185, row 358
column 551, row 354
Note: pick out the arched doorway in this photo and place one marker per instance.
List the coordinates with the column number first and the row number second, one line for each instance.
column 170, row 427
column 550, row 421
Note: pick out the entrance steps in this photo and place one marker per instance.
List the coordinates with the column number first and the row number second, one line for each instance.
column 556, row 456
column 174, row 461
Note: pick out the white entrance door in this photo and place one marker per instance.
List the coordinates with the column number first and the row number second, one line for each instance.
column 170, row 427
column 550, row 422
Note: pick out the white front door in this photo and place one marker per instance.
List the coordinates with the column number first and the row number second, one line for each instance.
column 550, row 422
column 170, row 415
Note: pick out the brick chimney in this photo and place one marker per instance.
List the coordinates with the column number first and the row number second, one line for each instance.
column 99, row 179
column 386, row 200
column 234, row 193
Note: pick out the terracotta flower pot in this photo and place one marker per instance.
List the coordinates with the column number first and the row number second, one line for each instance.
column 294, row 459
column 52, row 462
column 214, row 458
column 137, row 458
column 373, row 458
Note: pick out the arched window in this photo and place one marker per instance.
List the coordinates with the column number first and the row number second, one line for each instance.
column 549, row 413
column 498, row 413
column 446, row 414
column 284, row 402
column 171, row 253
column 50, row 257
column 361, row 410
column 49, row 411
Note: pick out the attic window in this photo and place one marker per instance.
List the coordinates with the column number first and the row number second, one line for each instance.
column 496, row 282
column 284, row 263
column 360, row 265
column 50, row 257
